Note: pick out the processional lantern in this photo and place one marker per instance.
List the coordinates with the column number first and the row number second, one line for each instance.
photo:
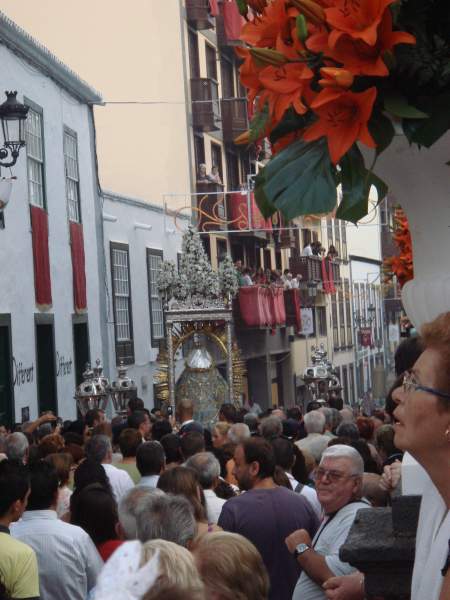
column 319, row 376
column 93, row 392
column 121, row 390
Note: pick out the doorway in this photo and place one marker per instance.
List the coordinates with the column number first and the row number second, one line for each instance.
column 81, row 350
column 6, row 392
column 45, row 363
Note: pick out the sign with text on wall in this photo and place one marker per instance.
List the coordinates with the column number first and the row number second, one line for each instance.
column 307, row 320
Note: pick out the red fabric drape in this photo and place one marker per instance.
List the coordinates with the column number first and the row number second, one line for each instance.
column 214, row 7
column 325, row 278
column 42, row 280
column 292, row 306
column 239, row 213
column 232, row 20
column 277, row 308
column 331, row 278
column 253, row 305
column 78, row 266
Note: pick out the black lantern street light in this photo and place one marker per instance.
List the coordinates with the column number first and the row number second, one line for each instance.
column 13, row 115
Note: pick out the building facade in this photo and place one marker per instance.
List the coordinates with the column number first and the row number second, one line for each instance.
column 51, row 301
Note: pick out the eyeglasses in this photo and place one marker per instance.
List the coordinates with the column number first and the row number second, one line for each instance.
column 333, row 476
column 410, row 385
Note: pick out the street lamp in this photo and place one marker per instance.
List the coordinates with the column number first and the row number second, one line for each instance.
column 13, row 115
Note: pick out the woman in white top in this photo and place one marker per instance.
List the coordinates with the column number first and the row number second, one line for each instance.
column 422, row 428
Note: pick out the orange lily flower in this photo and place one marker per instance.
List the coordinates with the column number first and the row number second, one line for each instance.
column 357, row 18
column 362, row 59
column 333, row 77
column 343, row 118
column 284, row 86
column 264, row 31
column 249, row 74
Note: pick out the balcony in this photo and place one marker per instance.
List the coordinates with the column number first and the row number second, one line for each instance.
column 205, row 104
column 253, row 224
column 311, row 268
column 211, row 207
column 198, row 14
column 222, row 31
column 264, row 307
column 234, row 118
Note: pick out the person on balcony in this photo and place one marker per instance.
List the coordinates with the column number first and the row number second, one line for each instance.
column 308, row 249
column 202, row 176
column 260, row 277
column 214, row 176
column 287, row 279
column 332, row 253
column 245, row 279
column 295, row 283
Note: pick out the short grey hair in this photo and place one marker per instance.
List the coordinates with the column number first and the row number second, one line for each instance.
column 238, row 433
column 343, row 451
column 167, row 517
column 314, row 422
column 207, row 467
column 132, row 504
column 327, row 414
column 16, row 446
column 271, row 427
column 349, row 430
column 251, row 420
column 98, row 447
column 347, row 414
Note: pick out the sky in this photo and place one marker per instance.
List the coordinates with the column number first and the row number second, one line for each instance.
column 108, row 43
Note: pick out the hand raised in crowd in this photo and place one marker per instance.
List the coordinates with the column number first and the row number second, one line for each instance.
column 347, row 587
column 391, row 476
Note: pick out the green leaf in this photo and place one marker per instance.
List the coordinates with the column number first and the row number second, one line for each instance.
column 382, row 131
column 355, row 196
column 397, row 105
column 356, row 183
column 428, row 132
column 242, row 7
column 259, row 123
column 265, row 206
column 299, row 181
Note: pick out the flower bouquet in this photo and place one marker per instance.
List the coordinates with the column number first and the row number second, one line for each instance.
column 326, row 75
column 400, row 265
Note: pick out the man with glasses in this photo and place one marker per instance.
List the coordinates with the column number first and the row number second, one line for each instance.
column 339, row 489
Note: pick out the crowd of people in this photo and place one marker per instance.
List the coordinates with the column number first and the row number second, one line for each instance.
column 151, row 507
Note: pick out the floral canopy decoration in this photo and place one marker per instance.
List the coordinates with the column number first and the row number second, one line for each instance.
column 324, row 75
column 400, row 265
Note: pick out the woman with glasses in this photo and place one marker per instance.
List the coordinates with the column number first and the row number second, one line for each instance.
column 422, row 427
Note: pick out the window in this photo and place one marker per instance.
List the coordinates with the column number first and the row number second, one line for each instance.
column 227, row 71
column 321, row 321
column 342, row 332
column 344, row 240
column 154, row 260
column 337, row 238
column 34, row 137
column 232, row 171
column 330, row 232
column 123, row 326
column 216, row 158
column 334, row 321
column 348, row 311
column 194, row 61
column 199, row 149
column 211, row 62
column 72, row 178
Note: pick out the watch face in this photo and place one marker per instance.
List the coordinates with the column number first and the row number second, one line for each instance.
column 302, row 548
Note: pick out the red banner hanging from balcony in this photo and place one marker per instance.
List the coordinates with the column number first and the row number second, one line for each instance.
column 232, row 19
column 328, row 276
column 277, row 308
column 238, row 207
column 214, row 7
column 78, row 266
column 253, row 306
column 293, row 309
column 39, row 234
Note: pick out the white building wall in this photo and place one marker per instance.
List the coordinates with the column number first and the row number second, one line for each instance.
column 121, row 215
column 16, row 256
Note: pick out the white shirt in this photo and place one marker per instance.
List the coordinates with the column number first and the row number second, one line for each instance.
column 213, row 505
column 119, row 479
column 307, row 251
column 433, row 534
column 67, row 559
column 327, row 542
column 149, row 481
column 308, row 493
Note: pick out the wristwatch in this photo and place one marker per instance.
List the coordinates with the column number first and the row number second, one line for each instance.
column 300, row 549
